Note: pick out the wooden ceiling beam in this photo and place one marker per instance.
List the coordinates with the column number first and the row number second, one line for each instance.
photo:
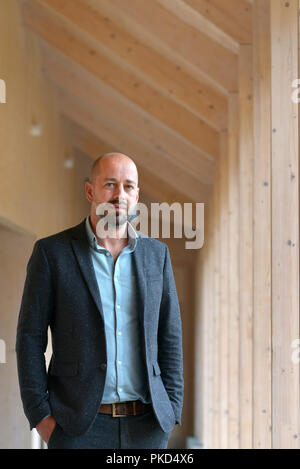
column 81, row 84
column 53, row 30
column 84, row 140
column 157, row 69
column 130, row 144
column 212, row 58
column 143, row 35
column 91, row 145
column 233, row 17
column 183, row 10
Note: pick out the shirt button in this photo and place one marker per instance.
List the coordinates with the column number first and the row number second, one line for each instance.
column 116, row 280
column 118, row 306
column 103, row 366
column 119, row 333
column 119, row 362
column 107, row 254
column 120, row 389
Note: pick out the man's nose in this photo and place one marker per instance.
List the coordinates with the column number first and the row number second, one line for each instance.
column 119, row 192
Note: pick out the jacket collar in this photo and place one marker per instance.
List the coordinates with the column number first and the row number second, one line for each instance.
column 132, row 236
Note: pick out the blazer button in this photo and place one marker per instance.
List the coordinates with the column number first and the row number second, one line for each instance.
column 103, row 366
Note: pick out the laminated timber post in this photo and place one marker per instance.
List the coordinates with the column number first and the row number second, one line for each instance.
column 245, row 243
column 262, row 310
column 285, row 222
column 275, row 404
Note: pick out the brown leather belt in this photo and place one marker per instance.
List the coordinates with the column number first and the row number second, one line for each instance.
column 122, row 409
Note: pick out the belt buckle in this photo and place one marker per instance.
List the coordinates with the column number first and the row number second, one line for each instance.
column 114, row 411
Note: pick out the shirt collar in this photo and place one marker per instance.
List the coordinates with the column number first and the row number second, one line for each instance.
column 132, row 237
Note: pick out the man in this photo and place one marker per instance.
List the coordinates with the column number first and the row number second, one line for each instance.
column 115, row 377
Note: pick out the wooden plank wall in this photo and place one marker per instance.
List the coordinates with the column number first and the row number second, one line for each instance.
column 249, row 265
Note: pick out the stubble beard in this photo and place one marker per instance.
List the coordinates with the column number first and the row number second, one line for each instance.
column 114, row 218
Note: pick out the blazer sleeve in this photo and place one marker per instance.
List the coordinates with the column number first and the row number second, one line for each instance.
column 170, row 355
column 32, row 336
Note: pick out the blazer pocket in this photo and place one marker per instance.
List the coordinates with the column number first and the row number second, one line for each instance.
column 156, row 369
column 64, row 369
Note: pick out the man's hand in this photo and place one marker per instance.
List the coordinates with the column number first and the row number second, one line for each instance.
column 46, row 427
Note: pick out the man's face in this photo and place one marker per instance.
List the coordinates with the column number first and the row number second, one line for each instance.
column 115, row 182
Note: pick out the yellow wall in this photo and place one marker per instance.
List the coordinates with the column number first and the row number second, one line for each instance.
column 36, row 192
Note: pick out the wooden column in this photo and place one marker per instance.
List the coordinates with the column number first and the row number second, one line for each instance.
column 262, row 312
column 224, row 292
column 246, row 242
column 215, row 363
column 285, row 223
column 203, row 332
column 209, row 332
column 233, row 273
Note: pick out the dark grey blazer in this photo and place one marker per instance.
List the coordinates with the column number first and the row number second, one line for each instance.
column 61, row 291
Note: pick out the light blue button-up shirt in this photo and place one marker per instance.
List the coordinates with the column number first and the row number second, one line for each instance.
column 126, row 378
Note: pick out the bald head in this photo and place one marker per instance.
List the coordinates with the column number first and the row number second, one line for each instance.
column 110, row 160
column 114, row 180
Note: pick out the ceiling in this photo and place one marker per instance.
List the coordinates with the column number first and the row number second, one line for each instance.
column 150, row 78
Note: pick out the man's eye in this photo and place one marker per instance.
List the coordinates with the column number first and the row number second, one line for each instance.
column 109, row 184
column 129, row 186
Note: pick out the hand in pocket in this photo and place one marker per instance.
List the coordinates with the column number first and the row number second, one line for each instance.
column 46, row 427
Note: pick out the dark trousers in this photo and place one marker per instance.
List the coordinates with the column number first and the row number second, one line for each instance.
column 140, row 431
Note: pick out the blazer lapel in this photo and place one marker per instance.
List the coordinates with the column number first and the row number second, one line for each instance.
column 139, row 260
column 81, row 250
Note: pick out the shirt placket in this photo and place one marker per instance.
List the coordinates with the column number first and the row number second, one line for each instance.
column 118, row 331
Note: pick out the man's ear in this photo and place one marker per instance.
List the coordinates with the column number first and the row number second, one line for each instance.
column 89, row 191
